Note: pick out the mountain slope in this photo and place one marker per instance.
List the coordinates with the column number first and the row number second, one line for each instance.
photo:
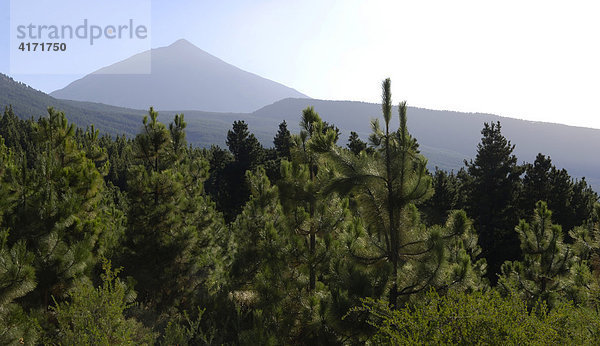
column 28, row 102
column 206, row 127
column 182, row 77
column 446, row 138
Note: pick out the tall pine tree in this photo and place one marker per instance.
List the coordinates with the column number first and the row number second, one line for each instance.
column 388, row 184
column 58, row 210
column 248, row 154
column 283, row 141
column 492, row 202
column 171, row 247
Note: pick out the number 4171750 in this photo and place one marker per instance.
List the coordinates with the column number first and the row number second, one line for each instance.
column 42, row 47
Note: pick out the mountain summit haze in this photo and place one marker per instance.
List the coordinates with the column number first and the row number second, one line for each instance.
column 182, row 76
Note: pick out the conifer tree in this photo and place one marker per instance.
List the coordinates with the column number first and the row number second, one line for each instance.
column 586, row 244
column 120, row 156
column 336, row 131
column 271, row 263
column 315, row 222
column 259, row 232
column 355, row 144
column 445, row 197
column 95, row 316
column 171, row 248
column 7, row 172
column 582, row 203
column 243, row 145
column 388, row 184
column 492, row 202
column 9, row 130
column 90, row 144
column 587, row 239
column 536, row 182
column 301, row 185
column 283, row 141
column 272, row 157
column 548, row 271
column 216, row 184
column 248, row 154
column 17, row 275
column 544, row 182
column 263, row 273
column 58, row 208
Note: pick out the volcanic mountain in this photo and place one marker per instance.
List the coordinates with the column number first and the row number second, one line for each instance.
column 182, row 76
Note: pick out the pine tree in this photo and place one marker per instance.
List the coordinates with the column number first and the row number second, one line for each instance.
column 301, row 184
column 17, row 275
column 216, row 184
column 355, row 144
column 95, row 316
column 272, row 157
column 171, row 248
column 263, row 273
column 7, row 172
column 17, row 278
column 544, row 182
column 248, row 154
column 547, row 271
column 336, row 131
column 178, row 143
column 244, row 146
column 283, row 141
column 315, row 222
column 388, row 184
column 9, row 130
column 494, row 187
column 90, row 144
column 581, row 203
column 445, row 197
column 58, row 209
column 562, row 195
column 586, row 244
column 120, row 157
column 536, row 183
column 587, row 239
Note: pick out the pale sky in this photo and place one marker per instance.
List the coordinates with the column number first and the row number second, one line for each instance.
column 536, row 60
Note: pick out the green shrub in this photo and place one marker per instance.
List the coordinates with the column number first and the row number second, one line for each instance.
column 94, row 316
column 480, row 318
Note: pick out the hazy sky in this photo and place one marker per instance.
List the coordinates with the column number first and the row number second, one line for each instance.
column 537, row 60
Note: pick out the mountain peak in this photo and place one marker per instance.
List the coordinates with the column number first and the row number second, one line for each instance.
column 182, row 77
column 182, row 42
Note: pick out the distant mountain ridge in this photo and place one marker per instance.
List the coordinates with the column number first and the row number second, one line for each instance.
column 446, row 138
column 28, row 102
column 182, row 76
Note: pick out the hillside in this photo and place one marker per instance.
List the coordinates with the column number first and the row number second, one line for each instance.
column 205, row 127
column 448, row 137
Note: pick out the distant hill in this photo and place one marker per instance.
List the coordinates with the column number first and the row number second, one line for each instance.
column 28, row 102
column 446, row 138
column 182, row 76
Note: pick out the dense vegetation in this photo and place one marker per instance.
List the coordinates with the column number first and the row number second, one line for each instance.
column 108, row 240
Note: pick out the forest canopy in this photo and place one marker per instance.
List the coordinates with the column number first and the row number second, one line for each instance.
column 149, row 240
